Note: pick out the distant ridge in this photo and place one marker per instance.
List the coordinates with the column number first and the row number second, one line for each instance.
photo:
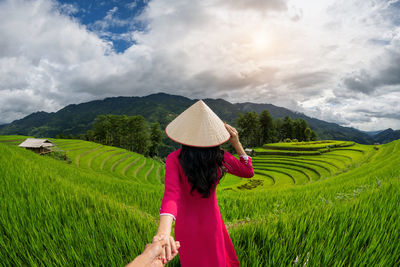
column 373, row 133
column 387, row 136
column 78, row 118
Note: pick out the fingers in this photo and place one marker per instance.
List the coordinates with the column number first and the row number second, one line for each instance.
column 158, row 238
column 162, row 242
column 168, row 250
column 158, row 250
column 234, row 135
column 153, row 250
column 177, row 246
column 174, row 250
column 230, row 128
column 163, row 253
column 157, row 247
column 163, row 248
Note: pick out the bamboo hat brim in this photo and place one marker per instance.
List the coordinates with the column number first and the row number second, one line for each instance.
column 198, row 126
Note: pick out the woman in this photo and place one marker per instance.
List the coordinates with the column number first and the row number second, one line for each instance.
column 191, row 176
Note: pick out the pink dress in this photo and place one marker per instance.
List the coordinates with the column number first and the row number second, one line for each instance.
column 198, row 223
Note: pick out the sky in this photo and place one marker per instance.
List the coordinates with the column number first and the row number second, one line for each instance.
column 336, row 60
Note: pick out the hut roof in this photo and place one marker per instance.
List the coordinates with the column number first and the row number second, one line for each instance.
column 36, row 143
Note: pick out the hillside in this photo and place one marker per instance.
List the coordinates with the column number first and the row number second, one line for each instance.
column 335, row 207
column 386, row 136
column 161, row 107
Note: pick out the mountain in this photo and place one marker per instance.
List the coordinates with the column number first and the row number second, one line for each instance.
column 386, row 136
column 78, row 118
column 373, row 133
column 325, row 130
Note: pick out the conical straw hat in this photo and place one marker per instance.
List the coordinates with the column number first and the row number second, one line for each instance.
column 198, row 126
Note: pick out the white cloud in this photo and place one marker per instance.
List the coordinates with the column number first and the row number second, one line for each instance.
column 131, row 5
column 38, row 47
column 304, row 55
column 68, row 9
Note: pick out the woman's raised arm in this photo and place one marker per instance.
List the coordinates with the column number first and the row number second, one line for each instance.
column 243, row 167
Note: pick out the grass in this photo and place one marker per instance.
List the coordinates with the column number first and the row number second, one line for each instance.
column 118, row 169
column 313, row 145
column 48, row 219
column 54, row 213
column 286, row 152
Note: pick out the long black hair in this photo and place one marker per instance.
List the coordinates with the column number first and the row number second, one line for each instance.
column 200, row 166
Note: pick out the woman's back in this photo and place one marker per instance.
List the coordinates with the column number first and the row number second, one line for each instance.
column 191, row 176
column 199, row 226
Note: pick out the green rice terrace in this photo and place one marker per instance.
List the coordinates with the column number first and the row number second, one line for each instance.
column 322, row 203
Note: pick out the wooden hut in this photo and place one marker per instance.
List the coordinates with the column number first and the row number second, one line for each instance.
column 40, row 146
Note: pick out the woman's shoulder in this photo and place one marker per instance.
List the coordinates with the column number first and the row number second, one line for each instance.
column 174, row 154
column 227, row 154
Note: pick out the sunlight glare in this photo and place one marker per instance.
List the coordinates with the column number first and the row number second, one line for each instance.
column 260, row 40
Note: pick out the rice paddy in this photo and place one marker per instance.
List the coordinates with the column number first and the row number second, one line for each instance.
column 301, row 163
column 324, row 203
column 112, row 161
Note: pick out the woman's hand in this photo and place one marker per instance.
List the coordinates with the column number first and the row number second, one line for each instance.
column 151, row 256
column 234, row 139
column 153, row 251
column 170, row 249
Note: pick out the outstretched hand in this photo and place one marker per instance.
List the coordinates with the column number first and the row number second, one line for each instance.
column 170, row 249
column 152, row 254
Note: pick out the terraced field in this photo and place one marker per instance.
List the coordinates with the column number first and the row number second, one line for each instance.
column 282, row 164
column 113, row 161
column 13, row 139
column 309, row 204
column 275, row 165
column 117, row 162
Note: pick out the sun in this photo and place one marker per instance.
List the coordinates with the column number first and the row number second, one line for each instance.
column 260, row 40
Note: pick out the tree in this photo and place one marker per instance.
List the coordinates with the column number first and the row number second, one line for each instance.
column 287, row 128
column 90, row 135
column 130, row 133
column 307, row 134
column 60, row 136
column 123, row 132
column 114, row 129
column 99, row 130
column 299, row 126
column 266, row 127
column 248, row 125
column 138, row 134
column 314, row 136
column 280, row 134
column 155, row 139
column 82, row 136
